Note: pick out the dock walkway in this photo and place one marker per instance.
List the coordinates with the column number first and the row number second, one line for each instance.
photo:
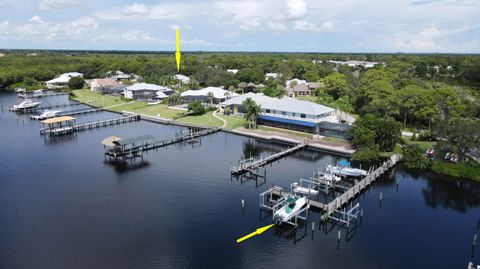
column 89, row 125
column 30, row 110
column 348, row 195
column 70, row 113
column 253, row 163
column 136, row 151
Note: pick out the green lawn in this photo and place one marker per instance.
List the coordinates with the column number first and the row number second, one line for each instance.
column 233, row 121
column 116, row 104
column 94, row 99
column 204, row 120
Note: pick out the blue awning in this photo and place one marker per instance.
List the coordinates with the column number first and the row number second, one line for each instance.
column 287, row 121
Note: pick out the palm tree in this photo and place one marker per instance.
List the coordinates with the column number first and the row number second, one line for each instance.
column 210, row 96
column 252, row 111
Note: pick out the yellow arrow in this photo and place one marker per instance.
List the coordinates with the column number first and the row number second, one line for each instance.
column 257, row 232
column 177, row 53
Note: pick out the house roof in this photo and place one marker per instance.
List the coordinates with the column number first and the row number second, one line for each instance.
column 285, row 104
column 182, row 78
column 106, row 82
column 133, row 140
column 298, row 81
column 72, row 74
column 218, row 93
column 61, row 79
column 301, row 88
column 147, row 87
column 234, row 71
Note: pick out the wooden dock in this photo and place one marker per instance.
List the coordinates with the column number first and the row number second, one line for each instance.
column 349, row 194
column 45, row 94
column 31, row 110
column 89, row 125
column 134, row 151
column 253, row 163
column 70, row 113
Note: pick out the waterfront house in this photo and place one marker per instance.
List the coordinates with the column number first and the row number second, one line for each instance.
column 182, row 79
column 106, row 86
column 62, row 80
column 146, row 91
column 290, row 113
column 207, row 95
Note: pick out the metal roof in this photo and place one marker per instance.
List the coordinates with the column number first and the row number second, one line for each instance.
column 147, row 87
column 133, row 140
column 58, row 120
column 218, row 93
column 286, row 104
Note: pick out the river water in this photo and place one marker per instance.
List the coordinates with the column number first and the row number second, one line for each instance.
column 63, row 206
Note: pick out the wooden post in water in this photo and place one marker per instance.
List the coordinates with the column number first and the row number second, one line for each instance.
column 474, row 242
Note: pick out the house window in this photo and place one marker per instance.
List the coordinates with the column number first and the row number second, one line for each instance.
column 303, row 116
column 284, row 113
column 294, row 115
column 267, row 110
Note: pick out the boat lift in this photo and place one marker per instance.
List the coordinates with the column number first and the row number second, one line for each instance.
column 346, row 216
column 275, row 198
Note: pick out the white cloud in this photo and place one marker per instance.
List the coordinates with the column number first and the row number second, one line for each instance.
column 432, row 38
column 36, row 19
column 136, row 11
column 303, row 25
column 296, row 9
column 56, row 4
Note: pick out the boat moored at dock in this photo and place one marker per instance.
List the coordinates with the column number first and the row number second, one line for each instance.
column 344, row 169
column 27, row 104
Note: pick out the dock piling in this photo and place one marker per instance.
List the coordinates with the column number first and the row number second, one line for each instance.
column 474, row 242
column 243, row 203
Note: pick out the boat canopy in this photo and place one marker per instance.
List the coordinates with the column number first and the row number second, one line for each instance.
column 109, row 141
column 343, row 163
column 58, row 120
column 133, row 140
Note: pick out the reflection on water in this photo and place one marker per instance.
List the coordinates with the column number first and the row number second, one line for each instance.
column 122, row 167
column 458, row 195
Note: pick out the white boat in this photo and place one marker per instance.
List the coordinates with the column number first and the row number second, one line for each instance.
column 49, row 114
column 20, row 90
column 27, row 104
column 343, row 169
column 290, row 209
column 38, row 93
column 152, row 103
column 303, row 190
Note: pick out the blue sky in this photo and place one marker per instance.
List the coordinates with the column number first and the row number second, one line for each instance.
column 244, row 25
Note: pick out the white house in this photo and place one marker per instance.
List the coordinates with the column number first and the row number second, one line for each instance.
column 233, row 71
column 183, row 79
column 291, row 113
column 62, row 80
column 296, row 80
column 118, row 75
column 218, row 95
column 145, row 91
column 106, row 86
column 271, row 76
column 364, row 64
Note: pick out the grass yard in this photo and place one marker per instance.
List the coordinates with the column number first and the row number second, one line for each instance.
column 233, row 121
column 116, row 104
column 94, row 99
column 206, row 119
